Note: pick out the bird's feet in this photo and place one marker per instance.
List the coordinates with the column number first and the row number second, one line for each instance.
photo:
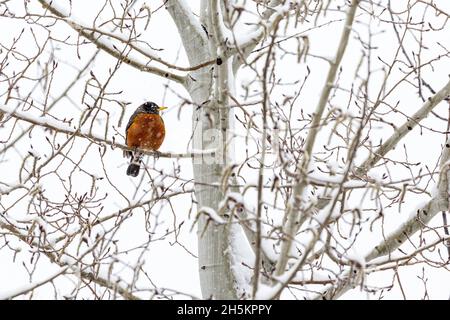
column 157, row 154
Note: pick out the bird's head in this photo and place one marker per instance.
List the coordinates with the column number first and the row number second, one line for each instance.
column 151, row 107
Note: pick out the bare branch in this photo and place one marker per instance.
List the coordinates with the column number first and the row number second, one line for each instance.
column 292, row 211
column 65, row 129
column 94, row 35
column 404, row 129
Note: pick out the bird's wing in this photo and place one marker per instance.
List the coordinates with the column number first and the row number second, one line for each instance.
column 130, row 122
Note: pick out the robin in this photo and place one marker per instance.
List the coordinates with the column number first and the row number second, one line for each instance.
column 145, row 130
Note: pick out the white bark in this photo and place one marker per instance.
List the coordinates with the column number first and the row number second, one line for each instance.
column 402, row 131
column 216, row 277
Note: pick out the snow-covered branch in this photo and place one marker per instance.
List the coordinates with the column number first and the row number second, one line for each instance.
column 246, row 43
column 404, row 129
column 423, row 215
column 64, row 265
column 72, row 130
column 292, row 211
column 192, row 35
column 104, row 41
column 417, row 221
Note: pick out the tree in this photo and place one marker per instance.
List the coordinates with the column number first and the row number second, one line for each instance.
column 306, row 145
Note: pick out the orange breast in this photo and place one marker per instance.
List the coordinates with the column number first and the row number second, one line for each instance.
column 146, row 132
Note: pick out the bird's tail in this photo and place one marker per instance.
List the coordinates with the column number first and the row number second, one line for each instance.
column 135, row 164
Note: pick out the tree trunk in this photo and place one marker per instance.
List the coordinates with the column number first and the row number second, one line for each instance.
column 216, row 276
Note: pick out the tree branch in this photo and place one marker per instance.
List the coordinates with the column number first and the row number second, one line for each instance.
column 49, row 252
column 192, row 35
column 63, row 128
column 95, row 37
column 271, row 19
column 24, row 290
column 415, row 119
column 292, row 216
column 415, row 223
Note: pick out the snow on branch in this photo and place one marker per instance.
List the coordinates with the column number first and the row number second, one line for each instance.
column 246, row 42
column 192, row 34
column 422, row 216
column 417, row 220
column 105, row 40
column 64, row 265
column 78, row 132
column 10, row 294
column 292, row 210
column 211, row 214
column 412, row 122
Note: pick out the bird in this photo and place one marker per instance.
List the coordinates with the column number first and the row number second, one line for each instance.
column 146, row 131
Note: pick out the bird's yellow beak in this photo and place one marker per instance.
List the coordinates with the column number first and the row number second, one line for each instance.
column 162, row 108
